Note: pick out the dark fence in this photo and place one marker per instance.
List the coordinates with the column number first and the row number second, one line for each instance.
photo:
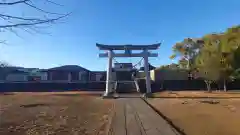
column 178, row 85
column 175, row 85
column 235, row 85
column 51, row 87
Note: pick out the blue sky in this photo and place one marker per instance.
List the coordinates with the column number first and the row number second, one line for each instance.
column 72, row 41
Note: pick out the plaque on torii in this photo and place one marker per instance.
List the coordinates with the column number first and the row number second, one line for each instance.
column 127, row 53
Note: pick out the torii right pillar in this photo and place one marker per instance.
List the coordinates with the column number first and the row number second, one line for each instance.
column 147, row 73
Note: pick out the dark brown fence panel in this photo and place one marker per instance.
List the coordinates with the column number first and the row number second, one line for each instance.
column 175, row 85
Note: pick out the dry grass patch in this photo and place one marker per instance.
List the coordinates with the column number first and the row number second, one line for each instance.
column 63, row 113
column 202, row 116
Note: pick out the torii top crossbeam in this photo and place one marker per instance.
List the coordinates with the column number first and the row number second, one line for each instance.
column 128, row 47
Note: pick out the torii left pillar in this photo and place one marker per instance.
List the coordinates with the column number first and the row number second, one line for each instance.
column 109, row 74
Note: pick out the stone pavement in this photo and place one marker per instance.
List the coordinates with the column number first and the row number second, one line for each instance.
column 133, row 116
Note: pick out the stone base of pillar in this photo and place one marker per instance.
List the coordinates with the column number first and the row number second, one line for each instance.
column 147, row 95
column 111, row 95
column 108, row 95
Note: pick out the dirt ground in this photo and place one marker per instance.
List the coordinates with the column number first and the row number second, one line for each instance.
column 65, row 113
column 201, row 116
column 198, row 94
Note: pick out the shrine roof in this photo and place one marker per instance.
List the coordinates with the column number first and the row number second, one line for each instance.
column 128, row 47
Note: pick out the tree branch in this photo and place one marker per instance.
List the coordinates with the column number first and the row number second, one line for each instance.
column 32, row 23
column 36, row 30
column 14, row 32
column 49, row 1
column 3, row 42
column 19, row 18
column 13, row 3
column 39, row 9
column 27, row 23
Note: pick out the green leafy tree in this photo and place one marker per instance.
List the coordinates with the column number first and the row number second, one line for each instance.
column 183, row 63
column 233, row 37
column 236, row 64
column 229, row 43
column 236, row 74
column 224, row 50
column 208, row 63
column 187, row 50
column 219, row 51
column 236, row 58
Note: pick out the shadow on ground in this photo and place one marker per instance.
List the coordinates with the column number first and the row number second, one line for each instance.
column 33, row 105
column 6, row 93
column 77, row 94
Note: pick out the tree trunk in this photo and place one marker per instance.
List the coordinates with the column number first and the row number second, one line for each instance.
column 219, row 86
column 188, row 64
column 208, row 86
column 162, row 85
column 224, row 85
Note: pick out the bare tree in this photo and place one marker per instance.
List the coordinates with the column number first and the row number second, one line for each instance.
column 13, row 23
column 4, row 64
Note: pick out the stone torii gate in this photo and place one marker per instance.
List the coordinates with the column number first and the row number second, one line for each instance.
column 128, row 53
